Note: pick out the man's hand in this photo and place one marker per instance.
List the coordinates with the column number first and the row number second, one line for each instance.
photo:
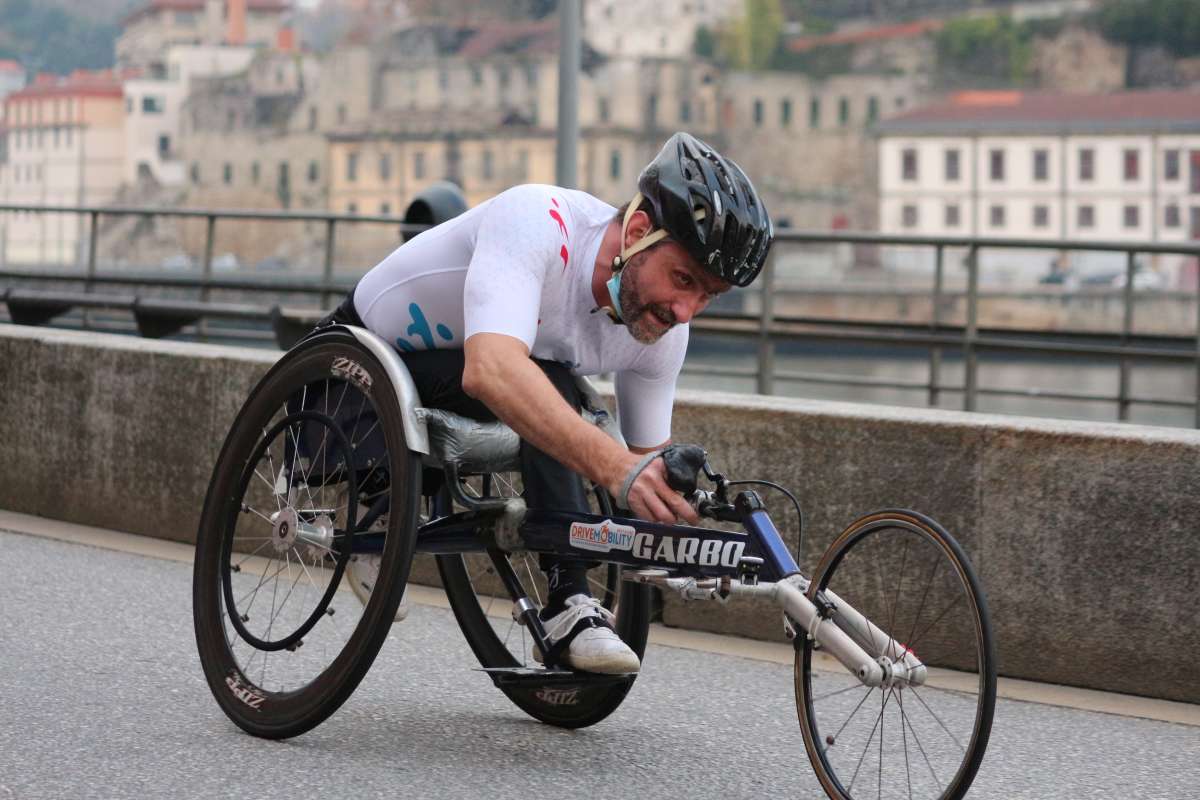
column 650, row 498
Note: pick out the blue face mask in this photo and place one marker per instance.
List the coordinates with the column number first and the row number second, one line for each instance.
column 614, row 293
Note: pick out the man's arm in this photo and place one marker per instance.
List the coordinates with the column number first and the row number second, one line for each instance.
column 500, row 374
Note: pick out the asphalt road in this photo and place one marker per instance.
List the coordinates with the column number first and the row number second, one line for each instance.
column 101, row 696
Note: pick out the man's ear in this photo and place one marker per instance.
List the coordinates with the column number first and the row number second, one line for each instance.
column 639, row 226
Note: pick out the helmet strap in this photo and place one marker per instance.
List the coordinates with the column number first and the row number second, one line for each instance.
column 619, row 262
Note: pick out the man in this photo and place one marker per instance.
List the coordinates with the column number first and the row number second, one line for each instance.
column 495, row 311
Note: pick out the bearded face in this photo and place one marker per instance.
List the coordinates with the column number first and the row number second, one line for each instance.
column 647, row 322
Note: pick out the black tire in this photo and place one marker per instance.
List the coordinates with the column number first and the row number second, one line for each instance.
column 318, row 445
column 482, row 609
column 907, row 575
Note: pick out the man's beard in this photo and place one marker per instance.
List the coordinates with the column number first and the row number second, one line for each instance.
column 646, row 323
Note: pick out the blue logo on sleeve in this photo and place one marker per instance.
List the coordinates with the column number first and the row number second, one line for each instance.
column 420, row 328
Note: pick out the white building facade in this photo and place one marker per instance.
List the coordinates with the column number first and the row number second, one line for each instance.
column 64, row 147
column 153, row 109
column 653, row 28
column 1118, row 167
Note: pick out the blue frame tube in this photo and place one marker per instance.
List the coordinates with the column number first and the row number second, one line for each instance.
column 768, row 541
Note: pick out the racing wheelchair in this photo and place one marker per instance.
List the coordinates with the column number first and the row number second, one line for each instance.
column 333, row 474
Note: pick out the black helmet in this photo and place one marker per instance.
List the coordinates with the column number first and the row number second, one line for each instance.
column 731, row 238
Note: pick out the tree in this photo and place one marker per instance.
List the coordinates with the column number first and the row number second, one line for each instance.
column 1173, row 24
column 751, row 42
column 992, row 47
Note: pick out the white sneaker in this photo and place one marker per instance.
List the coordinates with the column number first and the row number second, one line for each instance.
column 362, row 571
column 595, row 649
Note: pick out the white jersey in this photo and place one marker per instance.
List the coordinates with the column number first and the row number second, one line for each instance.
column 521, row 264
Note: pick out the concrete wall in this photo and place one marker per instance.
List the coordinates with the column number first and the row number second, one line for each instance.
column 1084, row 535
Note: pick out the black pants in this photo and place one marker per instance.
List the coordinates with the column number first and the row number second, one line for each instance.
column 437, row 375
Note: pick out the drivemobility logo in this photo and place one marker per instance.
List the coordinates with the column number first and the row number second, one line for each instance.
column 602, row 536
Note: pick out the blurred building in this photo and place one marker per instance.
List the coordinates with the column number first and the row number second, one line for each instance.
column 154, row 110
column 65, row 140
column 1115, row 167
column 148, row 32
column 652, row 28
column 12, row 77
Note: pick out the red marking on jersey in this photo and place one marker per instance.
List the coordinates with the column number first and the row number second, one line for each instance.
column 562, row 226
column 555, row 201
column 564, row 255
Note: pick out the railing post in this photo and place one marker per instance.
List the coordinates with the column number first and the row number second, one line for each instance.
column 766, row 348
column 207, row 267
column 327, row 272
column 1126, row 331
column 970, row 361
column 88, row 285
column 1197, row 420
column 935, row 352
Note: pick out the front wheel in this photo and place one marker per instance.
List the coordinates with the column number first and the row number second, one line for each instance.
column 923, row 739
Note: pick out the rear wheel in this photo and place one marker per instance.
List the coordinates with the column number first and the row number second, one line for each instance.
column 314, row 472
column 921, row 739
column 484, row 612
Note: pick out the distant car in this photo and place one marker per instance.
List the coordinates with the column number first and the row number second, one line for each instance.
column 177, row 261
column 226, row 262
column 1142, row 279
column 271, row 264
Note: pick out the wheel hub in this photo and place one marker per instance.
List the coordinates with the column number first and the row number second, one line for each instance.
column 284, row 526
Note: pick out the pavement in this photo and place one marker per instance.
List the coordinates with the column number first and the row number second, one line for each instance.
column 101, row 695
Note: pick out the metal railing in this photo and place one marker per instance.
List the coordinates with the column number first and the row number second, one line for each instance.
column 158, row 317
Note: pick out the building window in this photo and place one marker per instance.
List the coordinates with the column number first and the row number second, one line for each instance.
column 312, row 118
column 152, row 104
column 814, row 113
column 443, row 79
column 1171, row 165
column 476, row 76
column 1132, row 216
column 195, row 172
column 419, row 165
column 758, row 113
column 996, row 165
column 227, row 173
column 385, row 167
column 352, row 166
column 68, row 132
column 1041, row 165
column 996, row 216
column 1041, row 216
column 652, row 110
column 952, row 215
column 908, row 164
column 1171, row 217
column 785, row 113
column 314, row 172
column 351, row 208
column 487, row 165
column 952, row 165
column 128, row 105
column 603, row 109
column 254, row 172
column 872, row 109
column 164, row 146
column 614, row 165
column 385, row 208
column 1087, row 164
column 908, row 216
column 843, row 111
column 1086, row 217
column 1132, row 164
column 56, row 138
column 685, row 111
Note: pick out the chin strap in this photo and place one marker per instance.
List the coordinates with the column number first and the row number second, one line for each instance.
column 619, row 262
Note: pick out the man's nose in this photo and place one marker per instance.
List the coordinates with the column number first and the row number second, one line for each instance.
column 687, row 307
